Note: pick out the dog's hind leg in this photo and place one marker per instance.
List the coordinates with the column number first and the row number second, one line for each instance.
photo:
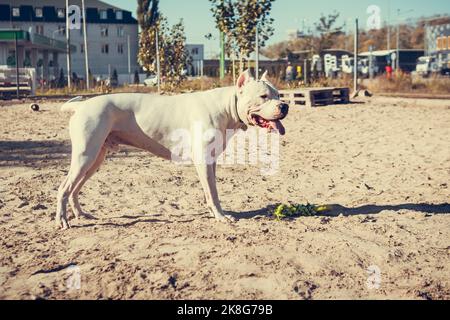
column 88, row 140
column 73, row 198
column 76, row 174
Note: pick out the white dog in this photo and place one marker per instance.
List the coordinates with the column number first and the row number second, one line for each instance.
column 146, row 122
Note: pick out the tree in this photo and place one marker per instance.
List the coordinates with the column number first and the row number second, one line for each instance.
column 238, row 20
column 327, row 30
column 171, row 41
column 149, row 20
column 175, row 59
column 224, row 13
column 148, row 13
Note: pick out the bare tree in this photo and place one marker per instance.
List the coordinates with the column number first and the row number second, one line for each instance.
column 239, row 20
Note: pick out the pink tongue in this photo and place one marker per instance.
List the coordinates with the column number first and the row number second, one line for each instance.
column 277, row 125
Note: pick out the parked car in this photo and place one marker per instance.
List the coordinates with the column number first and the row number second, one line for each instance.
column 151, row 81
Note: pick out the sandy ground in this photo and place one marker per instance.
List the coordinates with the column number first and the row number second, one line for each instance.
column 384, row 162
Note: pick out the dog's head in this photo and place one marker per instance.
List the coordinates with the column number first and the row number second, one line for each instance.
column 259, row 103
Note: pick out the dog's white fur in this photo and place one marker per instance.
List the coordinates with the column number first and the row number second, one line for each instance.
column 146, row 121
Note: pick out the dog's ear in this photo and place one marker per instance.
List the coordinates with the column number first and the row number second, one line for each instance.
column 244, row 78
column 264, row 77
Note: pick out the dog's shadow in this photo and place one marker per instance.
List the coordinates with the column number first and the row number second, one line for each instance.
column 132, row 221
column 337, row 210
column 266, row 212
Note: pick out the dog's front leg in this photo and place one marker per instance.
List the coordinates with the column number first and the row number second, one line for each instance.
column 206, row 174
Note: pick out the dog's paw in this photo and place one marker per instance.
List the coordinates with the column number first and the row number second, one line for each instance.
column 226, row 218
column 62, row 224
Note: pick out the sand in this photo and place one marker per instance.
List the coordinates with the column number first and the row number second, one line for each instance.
column 383, row 162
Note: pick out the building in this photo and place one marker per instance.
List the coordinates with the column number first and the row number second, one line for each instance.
column 274, row 67
column 407, row 58
column 42, row 37
column 438, row 39
column 196, row 53
column 438, row 44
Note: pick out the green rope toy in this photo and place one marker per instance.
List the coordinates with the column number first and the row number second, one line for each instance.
column 291, row 211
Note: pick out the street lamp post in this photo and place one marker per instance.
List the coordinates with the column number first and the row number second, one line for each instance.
column 399, row 13
column 355, row 64
column 257, row 53
column 86, row 57
column 17, row 65
column 69, row 68
column 158, row 65
column 129, row 58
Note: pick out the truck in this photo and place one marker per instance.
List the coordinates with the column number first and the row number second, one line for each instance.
column 432, row 65
column 8, row 82
column 426, row 65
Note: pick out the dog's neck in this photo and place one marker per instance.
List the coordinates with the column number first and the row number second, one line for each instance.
column 234, row 111
column 234, row 119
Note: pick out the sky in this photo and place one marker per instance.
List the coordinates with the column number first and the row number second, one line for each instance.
column 289, row 14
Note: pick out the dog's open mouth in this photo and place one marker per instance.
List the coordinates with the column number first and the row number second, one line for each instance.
column 270, row 125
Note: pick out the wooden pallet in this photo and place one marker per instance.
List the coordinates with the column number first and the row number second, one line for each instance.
column 312, row 97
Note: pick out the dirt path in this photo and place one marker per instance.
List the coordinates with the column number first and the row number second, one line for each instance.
column 384, row 162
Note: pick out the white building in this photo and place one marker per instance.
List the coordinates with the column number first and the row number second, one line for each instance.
column 197, row 54
column 42, row 42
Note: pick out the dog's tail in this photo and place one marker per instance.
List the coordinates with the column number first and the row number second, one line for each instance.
column 70, row 105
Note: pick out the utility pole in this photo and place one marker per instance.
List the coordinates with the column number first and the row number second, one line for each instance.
column 158, row 65
column 399, row 13
column 389, row 26
column 355, row 64
column 371, row 62
column 222, row 55
column 257, row 53
column 397, row 63
column 234, row 68
column 86, row 56
column 129, row 58
column 17, row 65
column 69, row 68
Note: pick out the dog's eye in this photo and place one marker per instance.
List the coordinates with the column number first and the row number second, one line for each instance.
column 264, row 96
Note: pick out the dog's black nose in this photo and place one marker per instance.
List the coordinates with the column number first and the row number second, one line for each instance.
column 284, row 109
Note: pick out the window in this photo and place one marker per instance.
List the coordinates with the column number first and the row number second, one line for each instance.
column 40, row 29
column 104, row 31
column 105, row 48
column 61, row 13
column 195, row 51
column 16, row 12
column 445, row 43
column 120, row 32
column 81, row 48
column 120, row 48
column 119, row 15
column 103, row 15
column 38, row 12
